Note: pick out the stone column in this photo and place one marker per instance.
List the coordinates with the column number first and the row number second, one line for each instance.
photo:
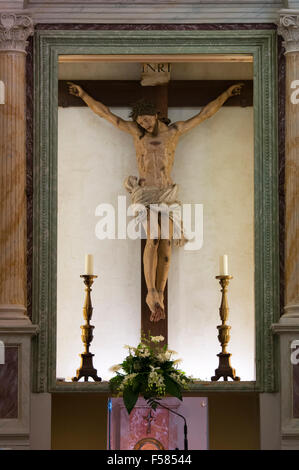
column 15, row 327
column 289, row 29
column 14, row 30
column 288, row 326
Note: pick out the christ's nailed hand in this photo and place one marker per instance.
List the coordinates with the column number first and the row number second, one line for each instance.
column 235, row 89
column 75, row 89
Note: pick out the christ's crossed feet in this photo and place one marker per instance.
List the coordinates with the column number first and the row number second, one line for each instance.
column 156, row 305
column 158, row 314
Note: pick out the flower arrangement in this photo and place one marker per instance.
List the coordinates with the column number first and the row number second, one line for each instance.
column 149, row 371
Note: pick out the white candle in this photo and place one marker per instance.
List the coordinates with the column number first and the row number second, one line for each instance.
column 223, row 265
column 89, row 264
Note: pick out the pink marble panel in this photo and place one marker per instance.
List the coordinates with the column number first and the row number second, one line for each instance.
column 141, row 428
column 296, row 391
column 9, row 384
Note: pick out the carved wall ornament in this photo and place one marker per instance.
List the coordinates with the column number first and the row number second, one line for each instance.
column 14, row 31
column 289, row 29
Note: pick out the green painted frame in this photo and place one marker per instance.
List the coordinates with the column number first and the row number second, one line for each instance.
column 48, row 45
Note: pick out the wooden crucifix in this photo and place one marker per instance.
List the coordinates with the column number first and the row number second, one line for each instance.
column 155, row 143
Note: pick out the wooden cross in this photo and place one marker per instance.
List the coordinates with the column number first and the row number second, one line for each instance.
column 158, row 95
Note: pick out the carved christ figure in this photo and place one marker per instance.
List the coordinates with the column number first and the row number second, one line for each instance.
column 155, row 142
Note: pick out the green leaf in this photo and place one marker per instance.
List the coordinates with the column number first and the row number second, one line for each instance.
column 115, row 382
column 153, row 403
column 137, row 384
column 172, row 387
column 130, row 397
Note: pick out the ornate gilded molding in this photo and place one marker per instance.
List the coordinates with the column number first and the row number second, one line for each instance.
column 14, row 31
column 289, row 29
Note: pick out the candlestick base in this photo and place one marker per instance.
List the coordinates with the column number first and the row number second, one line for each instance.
column 224, row 370
column 86, row 369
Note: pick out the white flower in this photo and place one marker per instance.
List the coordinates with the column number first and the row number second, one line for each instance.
column 177, row 361
column 156, row 379
column 130, row 348
column 157, row 339
column 144, row 353
column 127, row 381
column 165, row 355
column 179, row 379
column 161, row 357
column 171, row 351
column 115, row 368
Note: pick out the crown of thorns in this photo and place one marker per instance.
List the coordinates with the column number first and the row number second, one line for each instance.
column 141, row 108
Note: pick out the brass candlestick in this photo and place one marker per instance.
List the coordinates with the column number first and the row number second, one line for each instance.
column 86, row 368
column 224, row 369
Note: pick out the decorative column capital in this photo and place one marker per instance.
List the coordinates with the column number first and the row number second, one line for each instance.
column 288, row 28
column 14, row 31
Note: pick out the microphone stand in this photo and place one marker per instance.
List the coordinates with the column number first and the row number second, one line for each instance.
column 109, row 422
column 178, row 414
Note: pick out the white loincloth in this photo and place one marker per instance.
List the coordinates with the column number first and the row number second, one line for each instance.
column 157, row 200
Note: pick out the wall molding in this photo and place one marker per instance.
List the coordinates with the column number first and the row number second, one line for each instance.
column 139, row 11
column 262, row 44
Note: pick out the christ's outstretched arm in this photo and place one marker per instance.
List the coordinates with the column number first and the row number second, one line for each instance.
column 208, row 111
column 101, row 110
